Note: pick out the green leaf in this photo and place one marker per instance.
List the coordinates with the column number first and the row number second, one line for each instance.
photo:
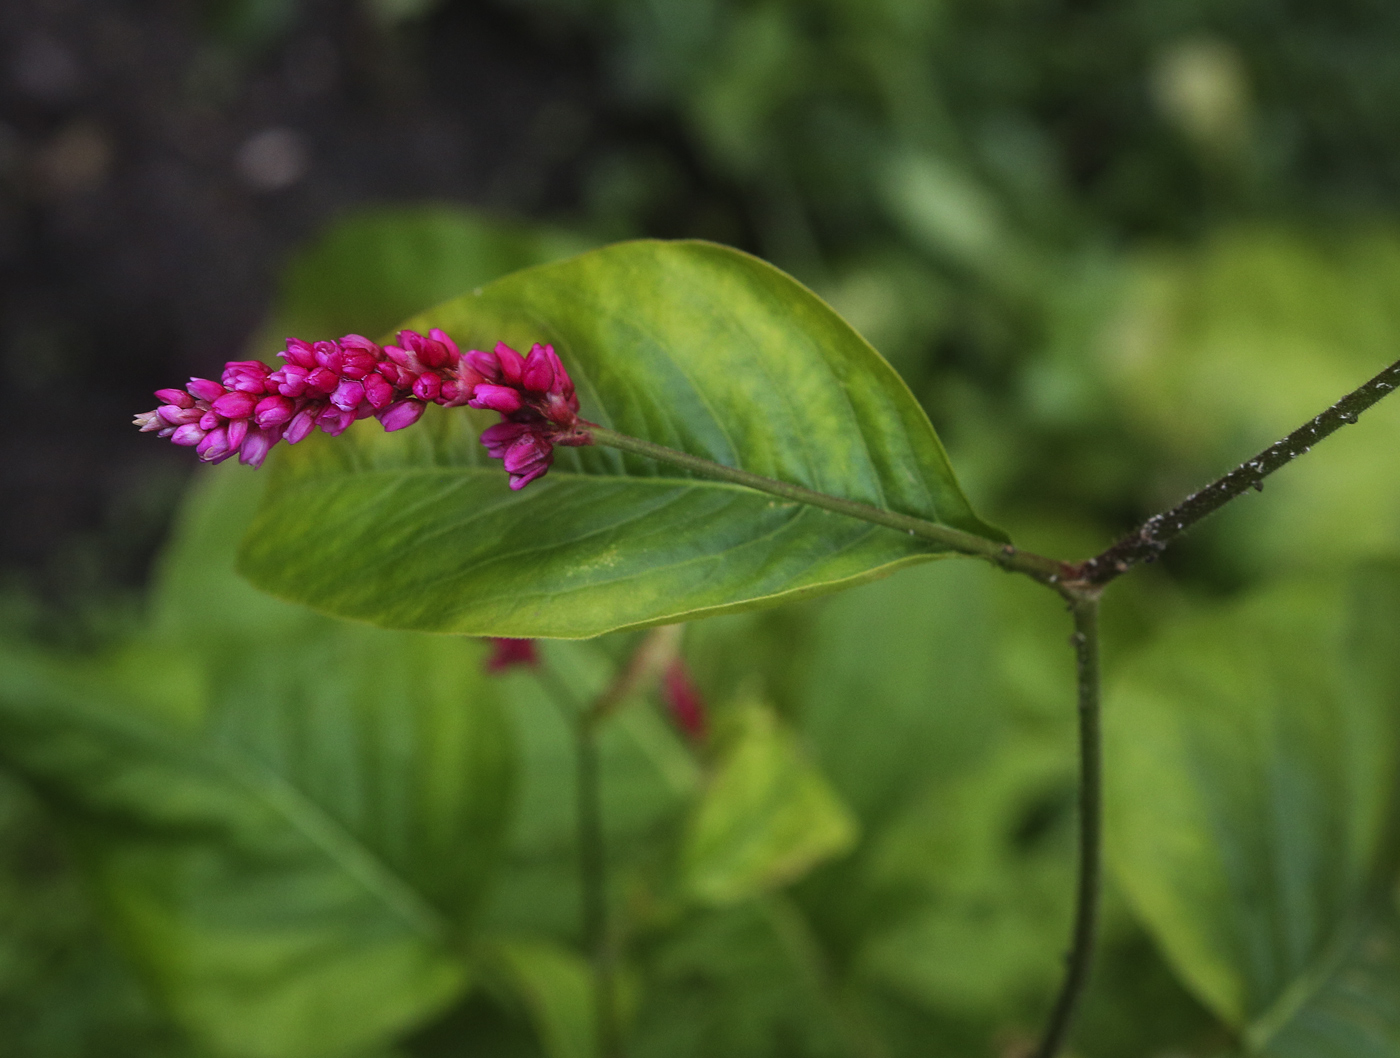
column 295, row 858
column 898, row 687
column 1351, row 1009
column 556, row 988
column 968, row 887
column 766, row 818
column 691, row 345
column 1252, row 758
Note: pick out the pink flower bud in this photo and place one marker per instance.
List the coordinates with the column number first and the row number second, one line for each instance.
column 484, row 364
column 273, row 411
column 348, row 395
column 301, row 425
column 427, row 386
column 538, row 374
column 173, row 415
column 512, row 364
column 256, row 446
column 437, row 334
column 500, row 437
column 177, row 397
column 237, row 430
column 235, row 405
column 503, row 399
column 527, row 450
column 209, row 420
column 359, row 343
column 290, row 380
column 403, row 413
column 246, row 376
column 299, row 353
column 323, row 381
column 334, row 421
column 187, row 435
column 378, row 391
column 329, row 356
column 214, row 448
column 205, row 389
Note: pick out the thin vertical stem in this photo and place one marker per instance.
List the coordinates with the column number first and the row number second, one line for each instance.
column 593, row 878
column 592, row 857
column 1081, row 954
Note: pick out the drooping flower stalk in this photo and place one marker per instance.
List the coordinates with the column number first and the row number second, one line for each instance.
column 330, row 384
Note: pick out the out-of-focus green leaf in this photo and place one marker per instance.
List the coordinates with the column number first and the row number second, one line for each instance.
column 556, row 987
column 726, row 981
column 1252, row 758
column 643, row 791
column 975, row 878
column 295, row 860
column 766, row 817
column 898, row 688
column 688, row 344
column 1218, row 351
column 379, row 266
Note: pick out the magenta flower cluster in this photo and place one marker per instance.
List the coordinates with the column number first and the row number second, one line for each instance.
column 330, row 384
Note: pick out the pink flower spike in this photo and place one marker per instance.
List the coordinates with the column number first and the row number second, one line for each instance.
column 503, row 399
column 177, row 397
column 403, row 413
column 508, row 653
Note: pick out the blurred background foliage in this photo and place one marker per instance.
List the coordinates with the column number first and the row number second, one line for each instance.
column 1114, row 247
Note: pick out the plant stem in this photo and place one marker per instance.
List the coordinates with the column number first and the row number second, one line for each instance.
column 1046, row 570
column 1081, row 954
column 593, row 885
column 1152, row 537
column 592, row 859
